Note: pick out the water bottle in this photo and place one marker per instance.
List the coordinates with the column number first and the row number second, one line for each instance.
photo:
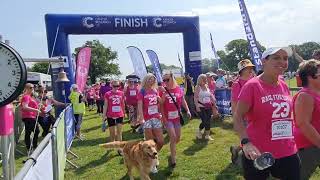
column 264, row 161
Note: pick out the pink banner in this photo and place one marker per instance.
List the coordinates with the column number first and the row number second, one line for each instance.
column 6, row 120
column 83, row 64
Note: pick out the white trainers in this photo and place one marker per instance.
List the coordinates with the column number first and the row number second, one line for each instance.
column 208, row 137
column 199, row 134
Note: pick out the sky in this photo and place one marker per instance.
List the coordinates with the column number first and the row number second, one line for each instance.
column 275, row 22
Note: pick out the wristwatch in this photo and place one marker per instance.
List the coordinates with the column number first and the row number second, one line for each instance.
column 244, row 141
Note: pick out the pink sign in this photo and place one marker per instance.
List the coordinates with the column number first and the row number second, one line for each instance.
column 6, row 120
column 83, row 64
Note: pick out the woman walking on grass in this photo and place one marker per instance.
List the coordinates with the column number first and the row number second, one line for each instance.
column 171, row 113
column 204, row 101
column 113, row 111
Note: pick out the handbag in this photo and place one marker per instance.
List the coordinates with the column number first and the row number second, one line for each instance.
column 175, row 103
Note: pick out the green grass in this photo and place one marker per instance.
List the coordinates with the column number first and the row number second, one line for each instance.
column 292, row 82
column 195, row 159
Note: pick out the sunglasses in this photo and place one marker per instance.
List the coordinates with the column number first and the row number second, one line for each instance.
column 31, row 87
column 116, row 86
column 166, row 80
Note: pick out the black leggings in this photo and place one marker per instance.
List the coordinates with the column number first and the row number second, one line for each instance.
column 205, row 115
column 100, row 104
column 286, row 168
column 29, row 124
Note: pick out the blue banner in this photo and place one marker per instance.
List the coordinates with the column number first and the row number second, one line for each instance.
column 223, row 97
column 138, row 62
column 253, row 45
column 70, row 126
column 155, row 64
column 216, row 56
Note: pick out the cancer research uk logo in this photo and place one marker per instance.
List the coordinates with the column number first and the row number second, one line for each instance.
column 87, row 22
column 90, row 22
column 159, row 22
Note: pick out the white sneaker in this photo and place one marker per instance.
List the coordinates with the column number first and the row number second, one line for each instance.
column 199, row 134
column 154, row 169
column 208, row 137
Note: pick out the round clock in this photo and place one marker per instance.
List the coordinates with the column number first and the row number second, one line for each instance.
column 13, row 74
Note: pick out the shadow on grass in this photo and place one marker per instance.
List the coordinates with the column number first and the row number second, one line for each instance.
column 129, row 135
column 228, row 125
column 229, row 173
column 91, row 129
column 89, row 142
column 197, row 146
column 105, row 158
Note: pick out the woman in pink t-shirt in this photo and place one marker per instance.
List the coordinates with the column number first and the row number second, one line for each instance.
column 265, row 101
column 131, row 93
column 306, row 106
column 246, row 72
column 29, row 112
column 148, row 110
column 171, row 113
column 113, row 111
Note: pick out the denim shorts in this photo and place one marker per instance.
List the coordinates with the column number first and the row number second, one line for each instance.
column 152, row 123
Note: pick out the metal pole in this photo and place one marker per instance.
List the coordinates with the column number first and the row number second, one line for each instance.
column 55, row 162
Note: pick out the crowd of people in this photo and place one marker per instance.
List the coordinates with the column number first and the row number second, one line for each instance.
column 274, row 127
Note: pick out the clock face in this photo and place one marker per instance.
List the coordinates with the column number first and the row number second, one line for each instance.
column 13, row 74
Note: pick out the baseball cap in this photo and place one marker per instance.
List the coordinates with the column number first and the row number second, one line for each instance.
column 244, row 63
column 74, row 86
column 273, row 50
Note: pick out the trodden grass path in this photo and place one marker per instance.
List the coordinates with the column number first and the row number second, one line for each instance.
column 195, row 159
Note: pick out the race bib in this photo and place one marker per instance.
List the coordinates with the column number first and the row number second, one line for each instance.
column 116, row 109
column 133, row 93
column 152, row 110
column 206, row 100
column 173, row 114
column 282, row 130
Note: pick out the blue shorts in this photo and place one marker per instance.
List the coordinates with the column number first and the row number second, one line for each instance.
column 173, row 124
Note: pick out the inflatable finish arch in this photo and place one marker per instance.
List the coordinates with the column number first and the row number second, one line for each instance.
column 59, row 26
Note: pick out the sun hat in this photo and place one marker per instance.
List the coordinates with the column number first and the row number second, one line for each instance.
column 243, row 64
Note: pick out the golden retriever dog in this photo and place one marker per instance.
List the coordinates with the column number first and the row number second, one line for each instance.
column 140, row 154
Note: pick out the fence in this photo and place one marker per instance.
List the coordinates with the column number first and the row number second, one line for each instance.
column 48, row 161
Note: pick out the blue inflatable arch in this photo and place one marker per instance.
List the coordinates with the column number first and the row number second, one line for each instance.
column 59, row 26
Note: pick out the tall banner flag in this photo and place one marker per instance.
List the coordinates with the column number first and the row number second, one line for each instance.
column 83, row 64
column 216, row 56
column 253, row 45
column 138, row 62
column 155, row 64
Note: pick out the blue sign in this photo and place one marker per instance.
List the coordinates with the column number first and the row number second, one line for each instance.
column 60, row 26
column 70, row 126
column 223, row 97
column 155, row 64
column 253, row 45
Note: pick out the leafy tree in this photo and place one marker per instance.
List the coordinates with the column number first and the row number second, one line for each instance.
column 207, row 65
column 41, row 67
column 235, row 51
column 305, row 50
column 103, row 60
column 162, row 66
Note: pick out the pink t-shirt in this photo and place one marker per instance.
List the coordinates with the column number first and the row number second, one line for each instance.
column 236, row 88
column 90, row 93
column 132, row 95
column 301, row 140
column 170, row 110
column 32, row 102
column 150, row 103
column 212, row 86
column 270, row 125
column 115, row 104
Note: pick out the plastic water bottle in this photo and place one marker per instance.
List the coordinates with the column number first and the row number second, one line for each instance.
column 264, row 161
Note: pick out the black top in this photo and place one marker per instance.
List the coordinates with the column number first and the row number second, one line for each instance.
column 189, row 91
